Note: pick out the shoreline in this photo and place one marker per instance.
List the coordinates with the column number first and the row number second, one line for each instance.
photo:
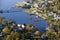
column 39, row 15
column 45, row 17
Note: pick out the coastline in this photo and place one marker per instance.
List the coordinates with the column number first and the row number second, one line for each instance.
column 47, row 11
column 32, row 20
column 51, row 21
column 39, row 15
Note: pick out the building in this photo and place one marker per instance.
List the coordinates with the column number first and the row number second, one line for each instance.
column 30, row 1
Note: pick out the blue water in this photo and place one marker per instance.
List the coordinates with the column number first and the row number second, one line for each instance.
column 20, row 17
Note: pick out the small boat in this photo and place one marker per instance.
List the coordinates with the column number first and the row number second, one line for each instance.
column 30, row 18
column 35, row 20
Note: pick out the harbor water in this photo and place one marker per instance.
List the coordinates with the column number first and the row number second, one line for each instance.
column 19, row 16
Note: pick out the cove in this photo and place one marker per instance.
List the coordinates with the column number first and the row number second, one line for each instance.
column 20, row 17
